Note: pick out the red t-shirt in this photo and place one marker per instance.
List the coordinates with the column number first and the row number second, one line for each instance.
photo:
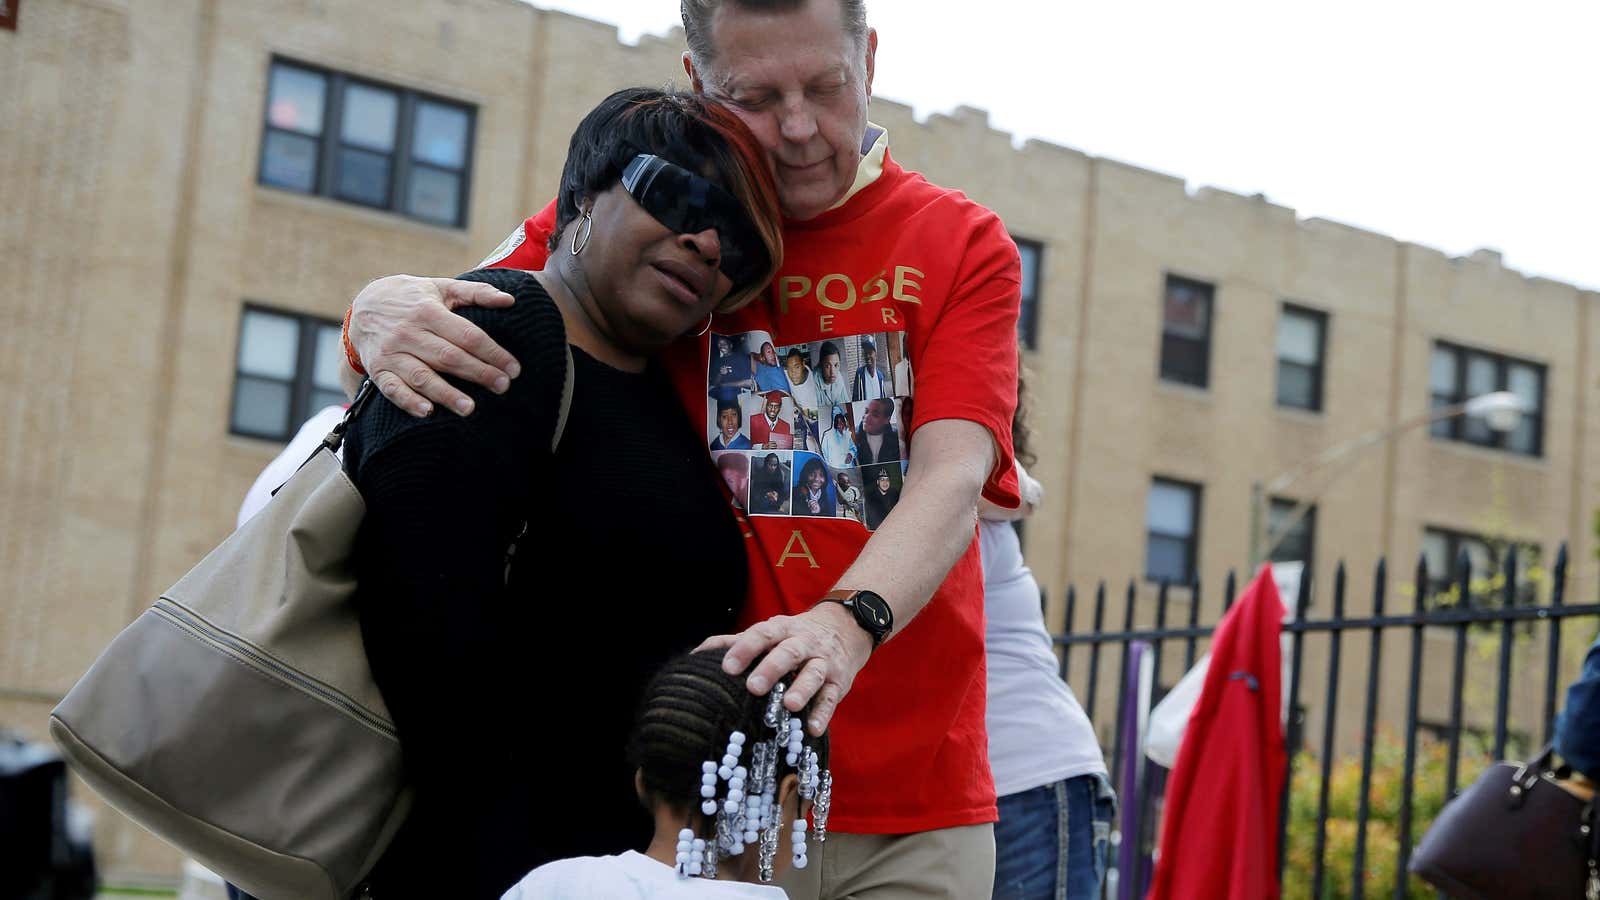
column 903, row 268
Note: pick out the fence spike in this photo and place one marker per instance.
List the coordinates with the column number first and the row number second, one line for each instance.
column 1552, row 675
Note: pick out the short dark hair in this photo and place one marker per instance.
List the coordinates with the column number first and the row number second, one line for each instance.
column 730, row 404
column 795, row 352
column 829, row 348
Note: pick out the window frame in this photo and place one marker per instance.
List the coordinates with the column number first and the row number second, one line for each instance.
column 1318, row 369
column 401, row 162
column 1028, row 310
column 1527, row 590
column 1454, row 428
column 1172, row 376
column 301, row 386
column 1192, row 550
column 1310, row 524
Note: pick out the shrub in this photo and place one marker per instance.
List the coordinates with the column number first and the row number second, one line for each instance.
column 1383, row 818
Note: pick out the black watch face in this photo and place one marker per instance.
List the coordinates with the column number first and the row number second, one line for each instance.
column 873, row 612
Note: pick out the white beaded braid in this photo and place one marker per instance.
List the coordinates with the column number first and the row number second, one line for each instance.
column 747, row 812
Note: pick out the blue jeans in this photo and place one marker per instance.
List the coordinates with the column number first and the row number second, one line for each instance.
column 1051, row 842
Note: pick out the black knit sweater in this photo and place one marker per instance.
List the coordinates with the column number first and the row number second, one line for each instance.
column 514, row 693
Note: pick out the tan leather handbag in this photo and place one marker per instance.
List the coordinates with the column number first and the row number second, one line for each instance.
column 238, row 718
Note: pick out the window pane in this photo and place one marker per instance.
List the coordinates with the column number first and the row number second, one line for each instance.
column 1170, row 510
column 261, row 407
column 268, row 345
column 1483, row 375
column 330, row 356
column 1524, row 381
column 363, row 177
column 435, row 195
column 1293, row 545
column 1166, row 559
column 1525, row 438
column 1299, row 338
column 1476, row 430
column 1444, row 428
column 321, row 399
column 1442, row 371
column 440, row 135
column 289, row 161
column 1296, row 386
column 1183, row 360
column 1030, row 270
column 369, row 117
column 1187, row 310
column 296, row 99
column 1436, row 550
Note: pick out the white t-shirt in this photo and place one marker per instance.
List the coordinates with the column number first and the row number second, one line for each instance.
column 902, row 378
column 805, row 394
column 630, row 876
column 288, row 461
column 1038, row 733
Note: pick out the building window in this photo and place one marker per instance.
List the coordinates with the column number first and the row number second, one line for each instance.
column 1442, row 547
column 1028, row 315
column 1302, row 340
column 287, row 369
column 1457, row 374
column 1186, row 331
column 360, row 142
column 1297, row 542
column 1172, row 529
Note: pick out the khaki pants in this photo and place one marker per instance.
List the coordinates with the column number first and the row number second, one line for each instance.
column 947, row 864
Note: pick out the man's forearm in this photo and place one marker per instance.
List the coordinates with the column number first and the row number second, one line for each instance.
column 910, row 554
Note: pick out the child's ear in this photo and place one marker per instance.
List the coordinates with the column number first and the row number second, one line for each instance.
column 638, row 784
column 789, row 790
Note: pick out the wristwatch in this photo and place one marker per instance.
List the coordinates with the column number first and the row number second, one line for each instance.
column 871, row 611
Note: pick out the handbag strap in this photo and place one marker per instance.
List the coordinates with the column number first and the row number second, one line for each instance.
column 335, row 438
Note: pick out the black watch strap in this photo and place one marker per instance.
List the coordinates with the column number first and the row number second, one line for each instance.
column 870, row 610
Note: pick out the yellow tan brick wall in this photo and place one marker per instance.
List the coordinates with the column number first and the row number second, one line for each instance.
column 133, row 231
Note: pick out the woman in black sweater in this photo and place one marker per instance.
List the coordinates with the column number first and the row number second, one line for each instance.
column 512, row 651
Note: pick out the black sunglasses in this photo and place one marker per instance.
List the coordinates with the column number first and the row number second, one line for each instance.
column 689, row 204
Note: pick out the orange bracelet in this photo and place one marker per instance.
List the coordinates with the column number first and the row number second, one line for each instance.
column 350, row 356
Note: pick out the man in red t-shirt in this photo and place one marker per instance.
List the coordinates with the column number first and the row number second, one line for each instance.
column 870, row 250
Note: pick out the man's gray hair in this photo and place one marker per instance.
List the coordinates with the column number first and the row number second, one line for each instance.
column 697, row 23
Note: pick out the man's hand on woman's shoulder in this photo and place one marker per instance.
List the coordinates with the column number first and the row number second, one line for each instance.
column 405, row 333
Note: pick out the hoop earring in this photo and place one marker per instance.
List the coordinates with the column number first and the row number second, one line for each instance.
column 580, row 239
column 702, row 332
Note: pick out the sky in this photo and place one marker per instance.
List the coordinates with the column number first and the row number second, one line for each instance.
column 1455, row 125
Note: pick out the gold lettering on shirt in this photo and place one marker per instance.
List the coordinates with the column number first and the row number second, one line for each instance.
column 877, row 287
column 803, row 553
column 889, row 316
column 791, row 287
column 849, row 292
column 903, row 284
column 825, row 323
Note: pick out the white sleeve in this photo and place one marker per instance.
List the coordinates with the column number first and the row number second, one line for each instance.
column 288, row 461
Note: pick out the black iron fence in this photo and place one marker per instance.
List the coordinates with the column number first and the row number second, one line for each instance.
column 1465, row 608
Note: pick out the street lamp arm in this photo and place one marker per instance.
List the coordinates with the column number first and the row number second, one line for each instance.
column 1340, row 451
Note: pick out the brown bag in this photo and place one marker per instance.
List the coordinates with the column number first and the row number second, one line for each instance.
column 1514, row 834
column 238, row 719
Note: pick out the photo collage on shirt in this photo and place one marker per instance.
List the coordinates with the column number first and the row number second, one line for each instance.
column 816, row 429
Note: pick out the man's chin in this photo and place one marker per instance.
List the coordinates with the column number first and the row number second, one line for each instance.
column 810, row 199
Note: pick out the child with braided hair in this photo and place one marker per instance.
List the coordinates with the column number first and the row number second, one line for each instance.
column 730, row 779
